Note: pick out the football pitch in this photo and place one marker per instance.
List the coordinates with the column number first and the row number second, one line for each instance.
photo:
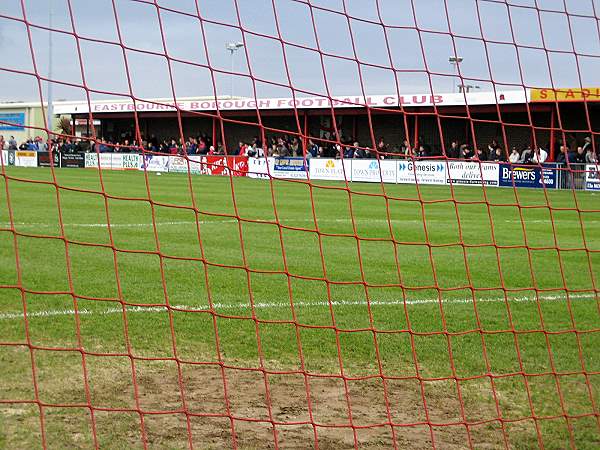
column 233, row 311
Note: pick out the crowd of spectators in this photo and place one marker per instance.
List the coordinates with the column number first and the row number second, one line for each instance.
column 286, row 146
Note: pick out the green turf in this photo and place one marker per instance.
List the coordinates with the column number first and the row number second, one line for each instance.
column 255, row 242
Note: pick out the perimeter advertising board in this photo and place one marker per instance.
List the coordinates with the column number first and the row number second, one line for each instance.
column 155, row 163
column 126, row 161
column 422, row 172
column 114, row 161
column 72, row 160
column 257, row 167
column 472, row 173
column 91, row 160
column 288, row 168
column 180, row 164
column 527, row 176
column 330, row 169
column 44, row 159
column 25, row 158
column 236, row 166
column 373, row 171
column 592, row 177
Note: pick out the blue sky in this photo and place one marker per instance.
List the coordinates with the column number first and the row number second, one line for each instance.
column 381, row 45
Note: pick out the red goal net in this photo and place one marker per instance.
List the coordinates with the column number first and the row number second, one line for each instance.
column 299, row 223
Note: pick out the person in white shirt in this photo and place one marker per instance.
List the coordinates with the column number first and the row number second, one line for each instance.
column 540, row 156
column 514, row 157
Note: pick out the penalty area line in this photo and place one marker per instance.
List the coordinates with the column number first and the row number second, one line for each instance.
column 297, row 304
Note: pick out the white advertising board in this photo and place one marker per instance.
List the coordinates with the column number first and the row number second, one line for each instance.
column 192, row 164
column 126, row 161
column 373, row 171
column 155, row 163
column 330, row 169
column 422, row 172
column 257, row 167
column 25, row 158
column 472, row 173
column 91, row 160
column 592, row 177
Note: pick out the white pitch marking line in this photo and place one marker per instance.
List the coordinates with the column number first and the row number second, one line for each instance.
column 217, row 221
column 297, row 304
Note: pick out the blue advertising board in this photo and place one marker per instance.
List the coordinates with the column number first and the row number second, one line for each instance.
column 528, row 176
column 12, row 122
column 289, row 168
column 290, row 164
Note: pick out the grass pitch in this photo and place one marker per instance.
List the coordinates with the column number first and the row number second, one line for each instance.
column 450, row 303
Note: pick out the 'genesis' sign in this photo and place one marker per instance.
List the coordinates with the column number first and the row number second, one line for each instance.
column 422, row 172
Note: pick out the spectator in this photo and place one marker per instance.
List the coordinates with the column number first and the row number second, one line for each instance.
column 2, row 143
column 479, row 155
column 465, row 152
column 260, row 152
column 312, row 150
column 349, row 152
column 33, row 145
column 590, row 156
column 562, row 157
column 424, row 148
column 405, row 149
column 587, row 144
column 12, row 143
column 514, row 157
column 540, row 156
column 126, row 148
column 454, row 150
column 202, row 146
column 492, row 148
column 295, row 147
column 103, row 148
column 382, row 147
column 239, row 150
column 526, row 155
column 171, row 147
column 578, row 157
column 192, row 146
column 498, row 155
column 360, row 152
column 571, row 156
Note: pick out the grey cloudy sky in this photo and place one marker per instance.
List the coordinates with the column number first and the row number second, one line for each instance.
column 557, row 42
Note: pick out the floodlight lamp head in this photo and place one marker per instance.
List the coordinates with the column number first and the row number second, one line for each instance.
column 233, row 46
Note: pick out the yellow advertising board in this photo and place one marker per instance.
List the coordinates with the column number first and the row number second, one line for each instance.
column 566, row 95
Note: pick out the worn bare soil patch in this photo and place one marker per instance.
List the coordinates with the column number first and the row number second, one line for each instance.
column 341, row 414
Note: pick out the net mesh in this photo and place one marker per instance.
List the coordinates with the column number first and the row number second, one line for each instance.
column 355, row 322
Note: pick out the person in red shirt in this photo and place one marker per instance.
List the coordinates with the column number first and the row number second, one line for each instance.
column 173, row 149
